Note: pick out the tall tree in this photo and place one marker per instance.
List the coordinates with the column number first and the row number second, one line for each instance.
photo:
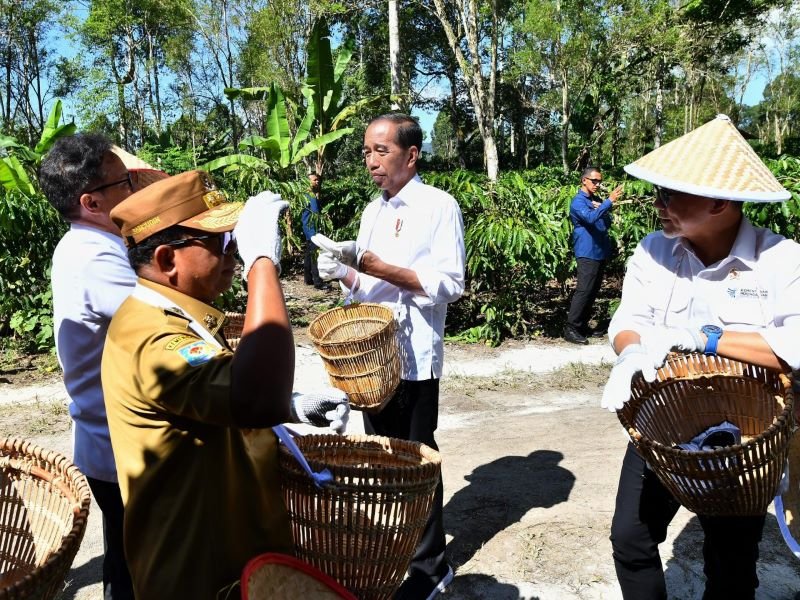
column 478, row 28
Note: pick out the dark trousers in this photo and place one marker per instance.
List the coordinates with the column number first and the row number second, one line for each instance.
column 590, row 277
column 310, row 270
column 413, row 414
column 645, row 508
column 116, row 579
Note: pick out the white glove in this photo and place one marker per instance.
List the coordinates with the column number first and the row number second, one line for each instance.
column 330, row 267
column 660, row 341
column 257, row 233
column 344, row 252
column 329, row 408
column 618, row 387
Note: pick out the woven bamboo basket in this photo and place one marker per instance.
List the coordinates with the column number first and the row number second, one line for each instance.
column 44, row 504
column 358, row 346
column 232, row 328
column 694, row 392
column 363, row 529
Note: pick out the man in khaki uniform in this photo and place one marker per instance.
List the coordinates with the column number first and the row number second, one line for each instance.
column 199, row 502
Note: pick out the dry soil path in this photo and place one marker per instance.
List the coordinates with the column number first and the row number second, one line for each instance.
column 530, row 470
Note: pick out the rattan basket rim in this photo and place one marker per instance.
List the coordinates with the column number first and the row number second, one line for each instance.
column 778, row 423
column 430, row 456
column 80, row 509
column 340, row 310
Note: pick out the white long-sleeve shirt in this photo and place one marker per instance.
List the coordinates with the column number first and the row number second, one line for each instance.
column 421, row 229
column 91, row 276
column 755, row 288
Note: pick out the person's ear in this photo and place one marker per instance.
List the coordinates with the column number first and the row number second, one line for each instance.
column 413, row 156
column 164, row 260
column 90, row 203
column 720, row 206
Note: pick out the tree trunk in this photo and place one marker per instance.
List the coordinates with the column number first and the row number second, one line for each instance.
column 565, row 114
column 481, row 92
column 778, row 135
column 394, row 53
column 658, row 129
column 455, row 121
column 155, row 100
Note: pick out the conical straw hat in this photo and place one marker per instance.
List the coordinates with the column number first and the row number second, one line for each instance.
column 142, row 174
column 713, row 161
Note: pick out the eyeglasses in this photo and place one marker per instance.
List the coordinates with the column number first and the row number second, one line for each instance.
column 227, row 243
column 664, row 195
column 595, row 181
column 127, row 180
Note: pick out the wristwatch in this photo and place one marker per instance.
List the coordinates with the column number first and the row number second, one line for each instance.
column 713, row 333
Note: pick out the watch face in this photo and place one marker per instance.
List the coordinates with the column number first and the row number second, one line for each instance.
column 712, row 330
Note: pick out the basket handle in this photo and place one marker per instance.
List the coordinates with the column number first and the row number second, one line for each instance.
column 322, row 478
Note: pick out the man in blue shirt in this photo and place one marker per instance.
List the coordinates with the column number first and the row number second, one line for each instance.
column 591, row 218
column 310, row 271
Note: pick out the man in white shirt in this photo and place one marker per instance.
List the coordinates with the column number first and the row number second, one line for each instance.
column 708, row 282
column 83, row 179
column 410, row 251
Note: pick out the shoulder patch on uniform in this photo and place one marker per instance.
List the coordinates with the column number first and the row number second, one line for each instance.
column 178, row 341
column 198, row 353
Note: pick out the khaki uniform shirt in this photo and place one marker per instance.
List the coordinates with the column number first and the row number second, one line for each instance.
column 197, row 505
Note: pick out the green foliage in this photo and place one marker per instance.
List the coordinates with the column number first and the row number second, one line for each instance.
column 30, row 230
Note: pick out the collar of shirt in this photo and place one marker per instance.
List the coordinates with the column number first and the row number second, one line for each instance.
column 743, row 250
column 205, row 314
column 588, row 197
column 406, row 195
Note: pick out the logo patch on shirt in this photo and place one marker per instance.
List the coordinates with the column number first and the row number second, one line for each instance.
column 198, row 353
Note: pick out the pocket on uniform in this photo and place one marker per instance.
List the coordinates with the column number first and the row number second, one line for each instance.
column 674, row 306
column 742, row 311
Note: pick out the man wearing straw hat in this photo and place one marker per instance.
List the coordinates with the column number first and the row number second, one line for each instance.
column 201, row 495
column 84, row 177
column 409, row 255
column 708, row 282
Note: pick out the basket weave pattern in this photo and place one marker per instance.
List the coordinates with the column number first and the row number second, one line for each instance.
column 44, row 504
column 232, row 328
column 358, row 346
column 694, row 392
column 363, row 530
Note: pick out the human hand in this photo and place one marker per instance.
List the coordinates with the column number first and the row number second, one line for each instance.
column 660, row 341
column 257, row 233
column 617, row 391
column 330, row 267
column 343, row 251
column 615, row 193
column 328, row 408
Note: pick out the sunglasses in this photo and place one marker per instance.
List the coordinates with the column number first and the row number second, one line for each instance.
column 127, row 180
column 594, row 181
column 227, row 243
column 664, row 195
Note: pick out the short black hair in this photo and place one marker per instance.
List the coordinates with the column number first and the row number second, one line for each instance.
column 409, row 133
column 142, row 254
column 71, row 165
column 588, row 171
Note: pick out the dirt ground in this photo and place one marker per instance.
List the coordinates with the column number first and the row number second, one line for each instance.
column 530, row 465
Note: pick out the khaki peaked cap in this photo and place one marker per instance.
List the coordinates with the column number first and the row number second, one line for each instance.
column 189, row 199
column 712, row 161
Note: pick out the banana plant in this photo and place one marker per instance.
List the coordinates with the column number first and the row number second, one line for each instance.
column 18, row 163
column 325, row 119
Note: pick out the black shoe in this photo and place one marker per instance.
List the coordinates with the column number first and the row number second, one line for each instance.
column 573, row 336
column 418, row 587
column 322, row 286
